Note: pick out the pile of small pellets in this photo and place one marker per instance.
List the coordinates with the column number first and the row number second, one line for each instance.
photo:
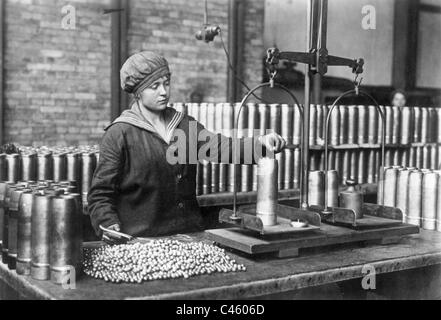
column 156, row 260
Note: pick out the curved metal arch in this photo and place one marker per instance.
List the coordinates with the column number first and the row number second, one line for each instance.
column 236, row 125
column 357, row 92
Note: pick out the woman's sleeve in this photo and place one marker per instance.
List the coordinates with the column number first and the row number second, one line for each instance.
column 105, row 183
column 218, row 148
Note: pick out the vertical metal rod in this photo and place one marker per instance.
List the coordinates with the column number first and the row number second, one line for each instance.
column 323, row 24
column 305, row 138
column 2, row 85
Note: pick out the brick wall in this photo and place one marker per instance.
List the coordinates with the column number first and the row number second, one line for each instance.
column 57, row 82
column 168, row 27
column 254, row 50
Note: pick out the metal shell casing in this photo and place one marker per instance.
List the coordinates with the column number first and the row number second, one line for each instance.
column 267, row 192
column 65, row 237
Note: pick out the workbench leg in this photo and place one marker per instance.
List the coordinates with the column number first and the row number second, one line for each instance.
column 288, row 253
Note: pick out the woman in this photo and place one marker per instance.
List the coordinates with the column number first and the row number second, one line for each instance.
column 137, row 186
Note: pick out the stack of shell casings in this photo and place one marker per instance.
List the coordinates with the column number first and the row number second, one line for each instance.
column 412, row 136
column 417, row 193
column 41, row 229
column 57, row 164
column 254, row 120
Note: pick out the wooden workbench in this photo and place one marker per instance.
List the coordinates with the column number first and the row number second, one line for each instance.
column 265, row 275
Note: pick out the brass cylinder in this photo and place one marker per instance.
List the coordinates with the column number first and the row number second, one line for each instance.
column 417, row 123
column 372, row 125
column 396, row 157
column 434, row 156
column 88, row 160
column 414, row 200
column 419, row 158
column 73, row 162
column 275, row 118
column 199, row 180
column 354, row 160
column 389, row 124
column 425, row 125
column 438, row 134
column 344, row 125
column 5, row 245
column 59, row 166
column 362, row 166
column 312, row 125
column 402, row 191
column 289, row 170
column 13, row 212
column 405, row 160
column 65, row 238
column 280, row 157
column 406, row 128
column 297, row 126
column 334, row 127
column 372, row 166
column 44, row 166
column 40, row 236
column 390, row 186
column 267, row 193
column 363, row 118
column 352, row 125
column 429, row 200
column 426, row 157
column 13, row 165
column 206, row 177
column 29, row 166
column 332, row 190
column 3, row 190
column 396, row 125
column 345, row 173
column 316, row 181
column 215, row 177
column 24, row 253
column 287, row 122
column 3, row 168
column 297, row 159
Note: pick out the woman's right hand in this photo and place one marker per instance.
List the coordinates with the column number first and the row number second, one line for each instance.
column 111, row 238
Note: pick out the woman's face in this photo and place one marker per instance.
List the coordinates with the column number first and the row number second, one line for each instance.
column 156, row 96
column 399, row 100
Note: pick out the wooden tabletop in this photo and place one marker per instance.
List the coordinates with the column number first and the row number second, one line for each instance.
column 264, row 275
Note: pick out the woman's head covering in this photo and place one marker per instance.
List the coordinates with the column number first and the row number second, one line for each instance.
column 141, row 70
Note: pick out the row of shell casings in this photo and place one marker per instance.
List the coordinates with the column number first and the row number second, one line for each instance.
column 48, row 165
column 427, row 157
column 417, row 193
column 40, row 228
column 362, row 125
column 357, row 165
column 219, row 177
column 347, row 125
